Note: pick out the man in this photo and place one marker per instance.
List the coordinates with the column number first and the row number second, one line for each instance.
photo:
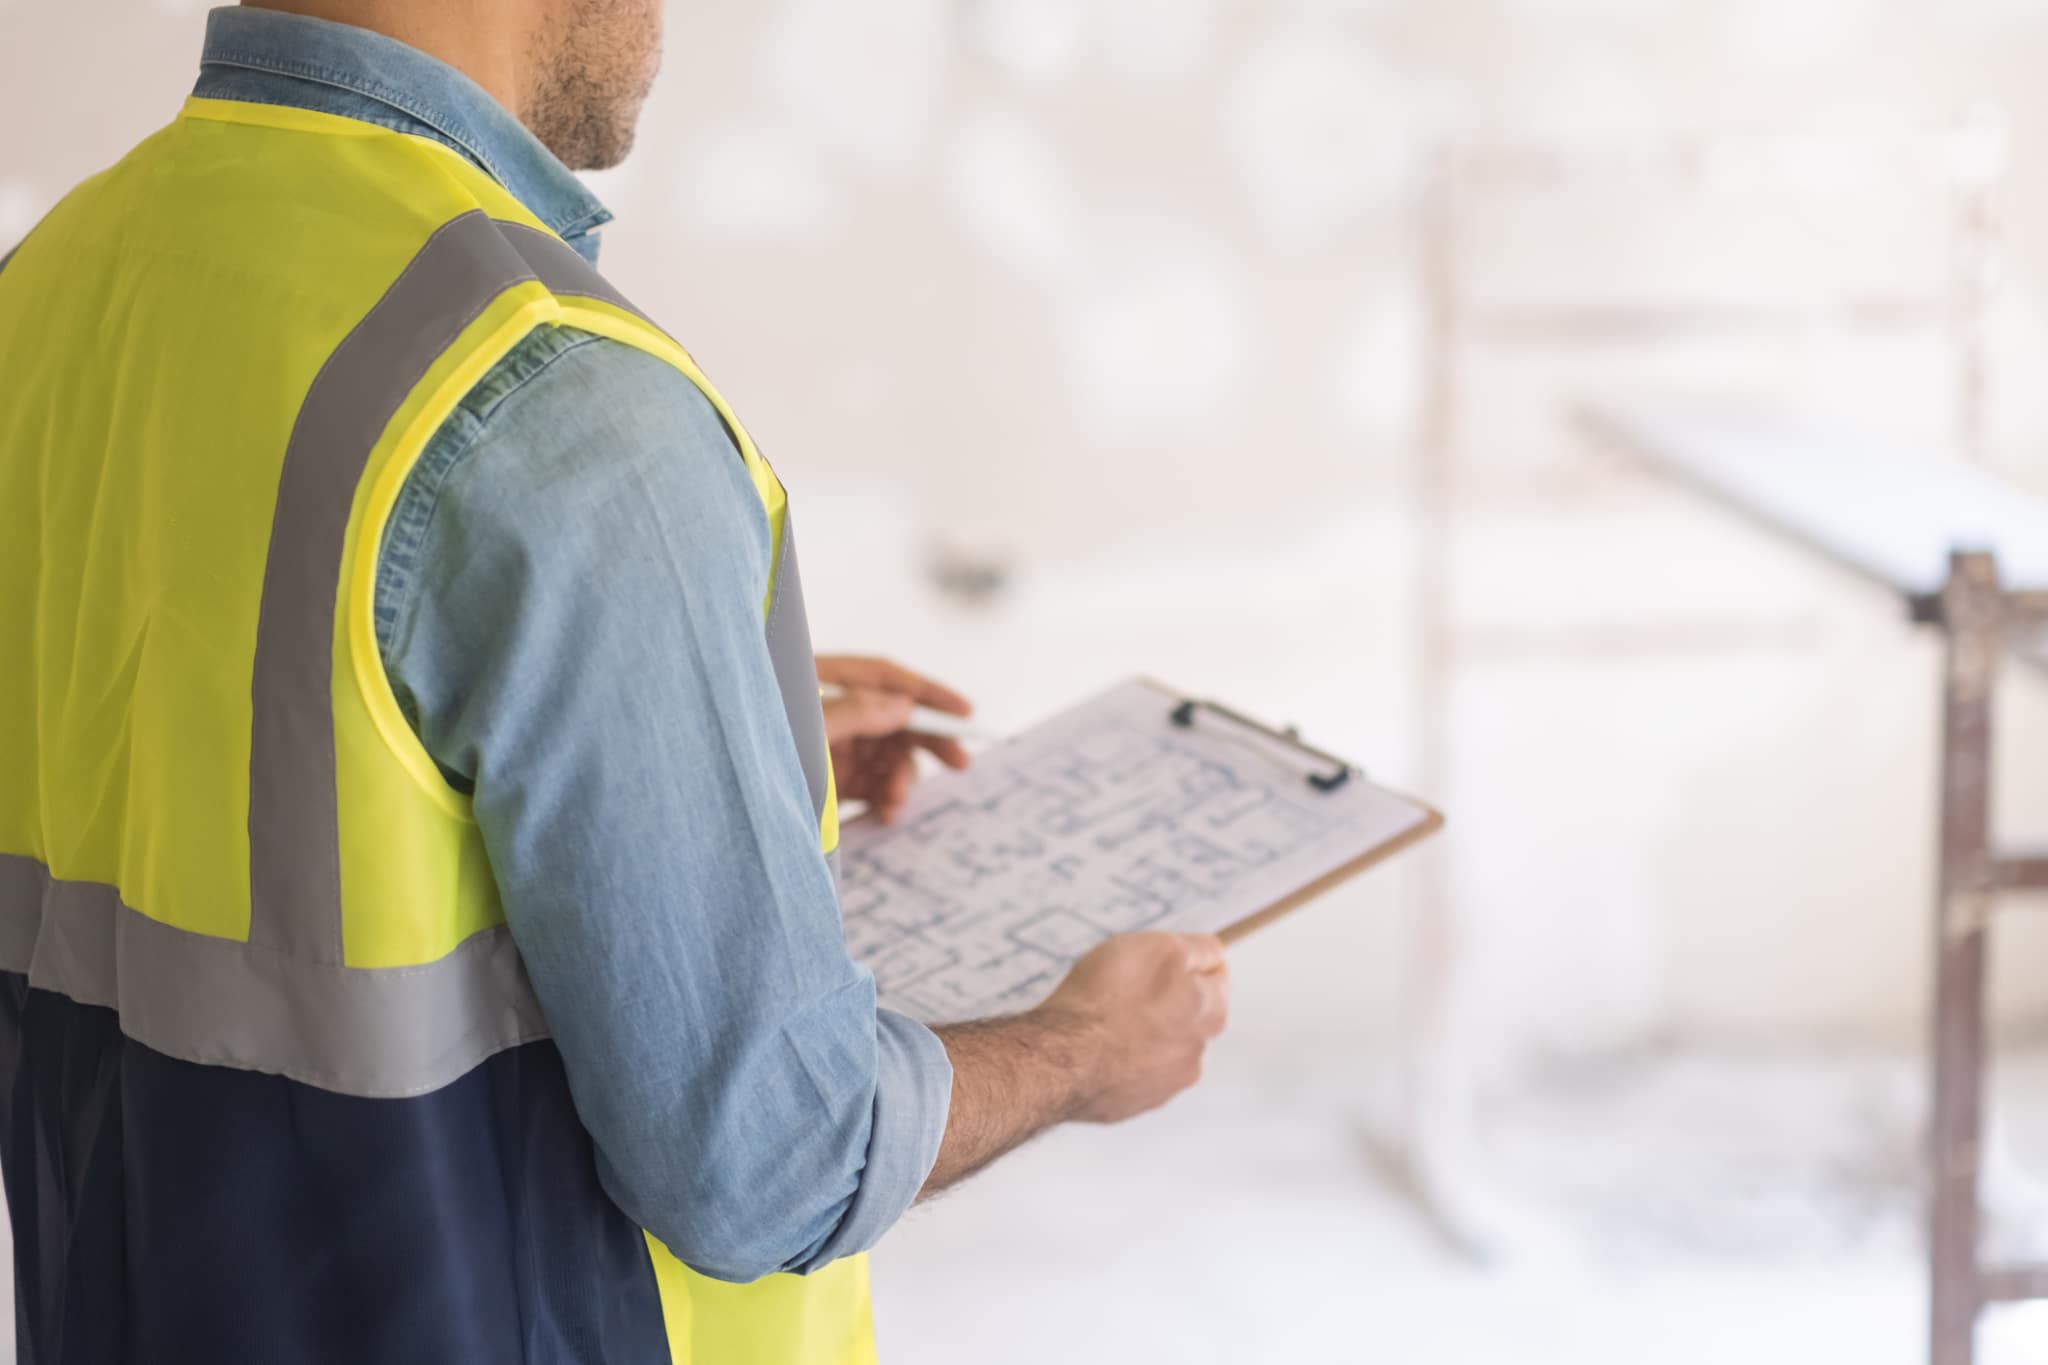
column 416, row 907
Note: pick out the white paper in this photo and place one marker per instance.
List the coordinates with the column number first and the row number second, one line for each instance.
column 1105, row 820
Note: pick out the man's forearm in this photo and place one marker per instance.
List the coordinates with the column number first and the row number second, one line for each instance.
column 1122, row 1034
column 1013, row 1078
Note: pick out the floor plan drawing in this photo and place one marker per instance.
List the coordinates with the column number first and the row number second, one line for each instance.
column 1107, row 819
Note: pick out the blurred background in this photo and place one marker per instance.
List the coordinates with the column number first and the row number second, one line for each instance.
column 1239, row 343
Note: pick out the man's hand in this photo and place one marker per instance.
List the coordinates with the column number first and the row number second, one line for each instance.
column 1153, row 1002
column 1124, row 1033
column 867, row 718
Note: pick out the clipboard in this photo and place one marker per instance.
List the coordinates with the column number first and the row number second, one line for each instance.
column 1139, row 808
column 1188, row 711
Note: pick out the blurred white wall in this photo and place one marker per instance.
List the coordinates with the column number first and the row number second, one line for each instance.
column 1123, row 293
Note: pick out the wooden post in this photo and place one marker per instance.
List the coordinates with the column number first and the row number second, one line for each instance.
column 1971, row 609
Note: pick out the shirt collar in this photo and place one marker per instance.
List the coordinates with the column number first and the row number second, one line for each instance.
column 277, row 58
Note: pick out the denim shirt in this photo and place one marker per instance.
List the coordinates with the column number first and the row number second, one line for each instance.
column 568, row 603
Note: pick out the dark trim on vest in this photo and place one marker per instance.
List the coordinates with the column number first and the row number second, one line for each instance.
column 202, row 1215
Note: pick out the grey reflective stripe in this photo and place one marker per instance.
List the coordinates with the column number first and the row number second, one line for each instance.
column 796, row 670
column 381, row 1033
column 567, row 275
column 294, row 853
column 555, row 264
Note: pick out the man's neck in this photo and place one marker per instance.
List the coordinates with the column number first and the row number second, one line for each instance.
column 489, row 43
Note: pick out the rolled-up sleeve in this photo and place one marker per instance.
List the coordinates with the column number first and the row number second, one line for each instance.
column 914, row 1082
column 569, row 601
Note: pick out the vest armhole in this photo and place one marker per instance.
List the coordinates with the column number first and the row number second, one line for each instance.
column 501, row 327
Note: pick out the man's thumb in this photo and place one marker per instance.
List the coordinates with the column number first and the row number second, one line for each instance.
column 865, row 711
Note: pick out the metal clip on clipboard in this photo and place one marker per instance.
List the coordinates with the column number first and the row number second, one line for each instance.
column 1340, row 771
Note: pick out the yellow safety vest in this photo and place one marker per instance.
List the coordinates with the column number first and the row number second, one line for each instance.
column 219, row 361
